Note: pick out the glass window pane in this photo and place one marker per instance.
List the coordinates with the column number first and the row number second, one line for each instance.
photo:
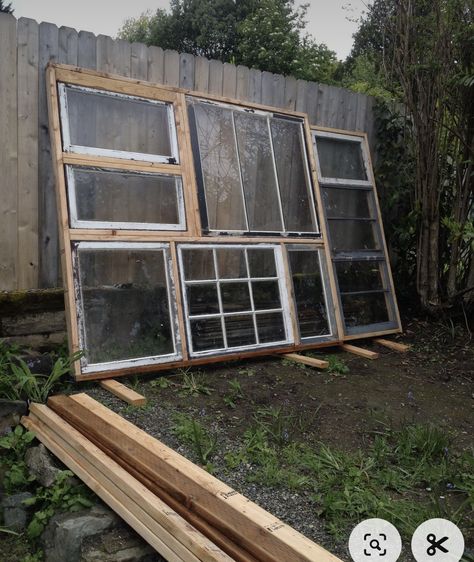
column 309, row 293
column 220, row 168
column 231, row 263
column 262, row 263
column 125, row 304
column 341, row 159
column 198, row 264
column 347, row 203
column 290, row 158
column 235, row 297
column 266, row 295
column 118, row 196
column 271, row 327
column 356, row 276
column 352, row 235
column 362, row 310
column 101, row 120
column 240, row 331
column 202, row 299
column 258, row 173
column 206, row 334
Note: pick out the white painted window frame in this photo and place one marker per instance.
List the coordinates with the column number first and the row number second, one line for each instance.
column 78, row 223
column 96, row 151
column 284, row 298
column 139, row 361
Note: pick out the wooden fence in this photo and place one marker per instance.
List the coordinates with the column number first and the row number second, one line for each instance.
column 28, row 223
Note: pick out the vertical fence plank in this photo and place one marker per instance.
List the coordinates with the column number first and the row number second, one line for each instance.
column 267, row 88
column 186, row 71
column 27, row 257
column 139, row 61
column 216, row 71
column 155, row 65
column 8, row 152
column 201, row 74
column 255, row 85
column 278, row 90
column 361, row 112
column 171, row 73
column 86, row 50
column 229, row 80
column 121, row 57
column 48, row 218
column 104, row 53
column 312, row 92
column 301, row 88
column 290, row 93
column 242, row 87
column 68, row 45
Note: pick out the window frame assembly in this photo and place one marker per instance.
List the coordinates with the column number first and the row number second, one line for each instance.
column 377, row 255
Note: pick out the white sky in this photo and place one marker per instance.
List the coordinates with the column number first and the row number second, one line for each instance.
column 329, row 20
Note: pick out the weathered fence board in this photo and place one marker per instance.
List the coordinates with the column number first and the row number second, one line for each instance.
column 29, row 254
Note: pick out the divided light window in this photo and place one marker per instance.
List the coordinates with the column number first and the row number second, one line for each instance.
column 252, row 170
column 234, row 297
column 105, row 123
column 355, row 234
column 126, row 311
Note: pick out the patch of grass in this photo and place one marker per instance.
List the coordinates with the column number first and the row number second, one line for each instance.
column 337, row 365
column 161, row 382
column 193, row 384
column 234, row 395
column 193, row 433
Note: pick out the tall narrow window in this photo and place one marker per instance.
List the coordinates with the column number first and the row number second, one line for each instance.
column 235, row 297
column 252, row 170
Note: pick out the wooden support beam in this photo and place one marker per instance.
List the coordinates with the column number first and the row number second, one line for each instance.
column 366, row 353
column 121, row 391
column 396, row 346
column 242, row 521
column 180, row 536
column 311, row 361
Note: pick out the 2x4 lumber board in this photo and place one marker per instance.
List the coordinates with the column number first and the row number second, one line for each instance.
column 184, row 536
column 121, row 391
column 264, row 535
column 311, row 361
column 77, row 465
column 396, row 346
column 120, row 163
column 366, row 353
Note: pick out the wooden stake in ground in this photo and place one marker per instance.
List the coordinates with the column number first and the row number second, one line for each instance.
column 121, row 391
column 396, row 346
column 366, row 353
column 311, row 361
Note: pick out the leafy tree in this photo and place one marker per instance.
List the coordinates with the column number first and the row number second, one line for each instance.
column 266, row 34
column 7, row 8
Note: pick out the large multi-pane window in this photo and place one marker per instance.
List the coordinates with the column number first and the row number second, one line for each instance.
column 252, row 170
column 235, row 297
column 355, row 235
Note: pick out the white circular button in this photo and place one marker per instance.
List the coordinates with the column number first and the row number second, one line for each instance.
column 375, row 539
column 437, row 540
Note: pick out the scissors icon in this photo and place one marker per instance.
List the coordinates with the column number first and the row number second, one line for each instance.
column 435, row 544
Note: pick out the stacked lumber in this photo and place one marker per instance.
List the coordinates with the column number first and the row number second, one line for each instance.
column 177, row 507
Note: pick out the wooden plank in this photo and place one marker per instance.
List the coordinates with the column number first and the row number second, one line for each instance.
column 171, row 528
column 122, row 58
column 171, row 68
column 86, row 50
column 37, row 341
column 255, row 85
column 155, row 64
column 311, row 361
column 104, row 53
column 49, row 243
column 121, row 391
column 229, row 76
column 242, row 87
column 312, row 92
column 366, row 353
column 186, row 71
column 233, row 514
column 139, row 61
column 290, row 92
column 27, row 258
column 67, row 45
column 396, row 346
column 179, row 301
column 267, row 88
column 8, row 153
column 216, row 72
column 278, row 90
column 201, row 74
column 301, row 102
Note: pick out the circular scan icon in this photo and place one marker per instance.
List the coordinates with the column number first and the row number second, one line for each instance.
column 375, row 539
column 437, row 540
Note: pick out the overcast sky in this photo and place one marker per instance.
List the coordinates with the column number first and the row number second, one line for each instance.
column 330, row 21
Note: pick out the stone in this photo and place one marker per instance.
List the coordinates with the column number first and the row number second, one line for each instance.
column 10, row 414
column 119, row 545
column 15, row 513
column 65, row 534
column 41, row 465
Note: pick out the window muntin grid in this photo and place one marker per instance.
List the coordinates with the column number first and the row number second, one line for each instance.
column 221, row 312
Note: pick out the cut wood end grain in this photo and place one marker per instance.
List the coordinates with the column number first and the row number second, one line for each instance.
column 123, row 392
column 396, row 346
column 311, row 361
column 366, row 353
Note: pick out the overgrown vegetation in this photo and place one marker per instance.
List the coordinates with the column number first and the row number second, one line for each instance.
column 193, row 433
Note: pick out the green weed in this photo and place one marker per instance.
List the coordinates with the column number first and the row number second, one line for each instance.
column 193, row 433
column 14, row 445
column 336, row 365
column 234, row 395
column 160, row 382
column 193, row 384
